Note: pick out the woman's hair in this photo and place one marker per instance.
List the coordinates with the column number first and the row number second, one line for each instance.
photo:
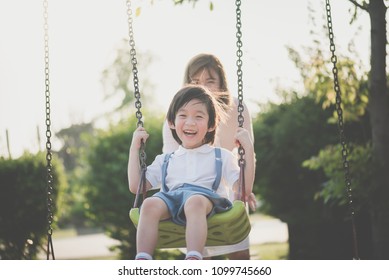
column 185, row 95
column 202, row 62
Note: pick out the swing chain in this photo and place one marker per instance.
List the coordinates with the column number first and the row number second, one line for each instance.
column 49, row 167
column 341, row 125
column 239, row 63
column 134, row 62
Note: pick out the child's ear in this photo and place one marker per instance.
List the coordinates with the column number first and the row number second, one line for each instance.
column 211, row 129
column 171, row 125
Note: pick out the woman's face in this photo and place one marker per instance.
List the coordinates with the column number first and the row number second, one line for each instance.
column 208, row 78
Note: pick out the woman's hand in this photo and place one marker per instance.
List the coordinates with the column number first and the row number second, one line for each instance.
column 252, row 202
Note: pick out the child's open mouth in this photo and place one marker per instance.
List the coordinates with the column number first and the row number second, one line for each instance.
column 189, row 132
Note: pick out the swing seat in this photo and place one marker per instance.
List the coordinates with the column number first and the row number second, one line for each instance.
column 224, row 228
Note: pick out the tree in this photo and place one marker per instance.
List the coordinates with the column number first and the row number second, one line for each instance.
column 108, row 197
column 379, row 119
column 74, row 143
column 285, row 136
column 117, row 77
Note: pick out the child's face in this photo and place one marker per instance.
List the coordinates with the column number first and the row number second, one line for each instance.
column 191, row 124
column 208, row 78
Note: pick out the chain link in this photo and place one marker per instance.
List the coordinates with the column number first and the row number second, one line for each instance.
column 49, row 167
column 339, row 111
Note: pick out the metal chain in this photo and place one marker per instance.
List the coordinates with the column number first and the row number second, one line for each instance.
column 49, row 167
column 339, row 111
column 138, row 104
column 239, row 63
column 134, row 62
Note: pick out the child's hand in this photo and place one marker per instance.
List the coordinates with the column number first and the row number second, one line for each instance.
column 242, row 137
column 140, row 134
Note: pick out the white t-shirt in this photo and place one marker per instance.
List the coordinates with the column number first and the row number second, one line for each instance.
column 196, row 167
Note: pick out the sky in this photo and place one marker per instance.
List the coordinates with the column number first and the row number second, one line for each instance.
column 84, row 35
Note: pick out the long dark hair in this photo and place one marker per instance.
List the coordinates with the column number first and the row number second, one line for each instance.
column 208, row 61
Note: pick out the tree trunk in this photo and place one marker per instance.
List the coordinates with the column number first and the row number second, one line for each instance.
column 379, row 118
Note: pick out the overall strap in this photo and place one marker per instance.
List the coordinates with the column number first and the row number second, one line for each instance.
column 164, row 171
column 218, row 163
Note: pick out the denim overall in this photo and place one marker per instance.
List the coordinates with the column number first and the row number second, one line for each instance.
column 175, row 199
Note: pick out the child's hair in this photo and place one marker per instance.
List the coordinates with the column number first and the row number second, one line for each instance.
column 185, row 95
column 208, row 61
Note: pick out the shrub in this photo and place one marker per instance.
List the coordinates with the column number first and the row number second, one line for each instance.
column 23, row 204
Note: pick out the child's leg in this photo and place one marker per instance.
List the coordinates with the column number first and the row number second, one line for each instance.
column 152, row 211
column 196, row 209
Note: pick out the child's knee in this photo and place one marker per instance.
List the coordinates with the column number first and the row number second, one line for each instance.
column 197, row 203
column 152, row 206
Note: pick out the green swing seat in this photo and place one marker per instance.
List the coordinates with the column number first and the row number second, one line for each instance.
column 225, row 228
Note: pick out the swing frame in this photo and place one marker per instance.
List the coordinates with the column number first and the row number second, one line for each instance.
column 237, row 205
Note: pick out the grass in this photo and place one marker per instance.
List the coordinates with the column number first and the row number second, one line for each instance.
column 65, row 233
column 270, row 251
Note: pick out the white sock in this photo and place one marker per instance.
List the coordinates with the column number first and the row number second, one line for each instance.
column 143, row 256
column 194, row 254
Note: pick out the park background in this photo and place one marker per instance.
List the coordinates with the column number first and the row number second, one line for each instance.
column 287, row 87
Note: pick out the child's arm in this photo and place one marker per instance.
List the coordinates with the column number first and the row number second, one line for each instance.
column 243, row 138
column 133, row 161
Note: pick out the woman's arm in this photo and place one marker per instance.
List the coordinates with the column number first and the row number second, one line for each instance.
column 243, row 138
column 169, row 143
column 248, row 125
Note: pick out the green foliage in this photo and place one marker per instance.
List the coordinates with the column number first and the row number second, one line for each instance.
column 108, row 197
column 333, row 191
column 285, row 137
column 288, row 139
column 179, row 2
column 117, row 78
column 318, row 81
column 23, row 204
column 74, row 144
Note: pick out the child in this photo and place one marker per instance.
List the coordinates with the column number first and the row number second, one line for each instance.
column 207, row 70
column 190, row 177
